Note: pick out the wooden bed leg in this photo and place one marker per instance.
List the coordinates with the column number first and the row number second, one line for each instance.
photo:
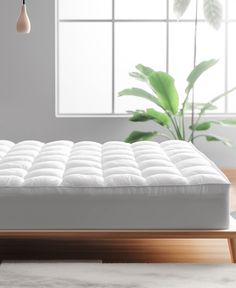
column 232, row 249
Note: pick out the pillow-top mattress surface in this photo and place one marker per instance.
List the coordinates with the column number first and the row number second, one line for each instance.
column 112, row 164
column 115, row 185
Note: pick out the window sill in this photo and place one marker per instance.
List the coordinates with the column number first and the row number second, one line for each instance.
column 219, row 115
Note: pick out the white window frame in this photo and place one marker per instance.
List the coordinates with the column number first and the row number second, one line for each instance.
column 113, row 95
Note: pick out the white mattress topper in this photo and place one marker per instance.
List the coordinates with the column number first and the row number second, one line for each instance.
column 112, row 164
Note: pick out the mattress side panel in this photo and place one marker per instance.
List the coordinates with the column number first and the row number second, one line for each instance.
column 207, row 208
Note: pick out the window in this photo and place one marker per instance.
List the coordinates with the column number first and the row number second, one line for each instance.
column 100, row 41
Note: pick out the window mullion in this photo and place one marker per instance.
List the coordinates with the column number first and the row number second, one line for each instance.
column 113, row 56
column 167, row 34
column 226, row 55
column 111, row 40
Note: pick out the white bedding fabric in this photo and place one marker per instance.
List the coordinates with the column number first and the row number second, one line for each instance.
column 87, row 185
column 112, row 164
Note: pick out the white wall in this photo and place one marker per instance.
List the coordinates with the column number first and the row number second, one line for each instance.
column 27, row 95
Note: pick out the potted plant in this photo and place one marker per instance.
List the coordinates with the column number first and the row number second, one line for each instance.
column 169, row 113
column 165, row 95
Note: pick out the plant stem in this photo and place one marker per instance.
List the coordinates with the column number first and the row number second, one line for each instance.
column 171, row 132
column 205, row 108
column 179, row 123
column 182, row 114
column 194, row 64
column 175, row 125
column 183, row 124
column 178, row 129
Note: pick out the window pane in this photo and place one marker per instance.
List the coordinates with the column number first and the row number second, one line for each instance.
column 211, row 44
column 231, row 9
column 232, row 67
column 85, row 9
column 181, row 54
column 85, row 68
column 134, row 46
column 190, row 11
column 140, row 9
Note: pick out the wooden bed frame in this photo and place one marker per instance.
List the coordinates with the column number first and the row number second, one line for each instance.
column 33, row 244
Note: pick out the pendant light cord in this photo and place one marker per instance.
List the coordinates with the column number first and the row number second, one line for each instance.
column 23, row 2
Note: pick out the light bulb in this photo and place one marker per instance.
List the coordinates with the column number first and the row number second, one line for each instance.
column 23, row 23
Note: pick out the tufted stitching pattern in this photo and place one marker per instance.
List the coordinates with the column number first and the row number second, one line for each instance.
column 112, row 164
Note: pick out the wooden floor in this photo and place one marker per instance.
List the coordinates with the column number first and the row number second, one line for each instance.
column 142, row 250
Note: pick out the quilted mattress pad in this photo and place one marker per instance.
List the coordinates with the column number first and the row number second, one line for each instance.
column 112, row 164
column 115, row 185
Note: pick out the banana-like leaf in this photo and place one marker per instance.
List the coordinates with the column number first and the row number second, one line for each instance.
column 201, row 126
column 208, row 104
column 161, row 118
column 207, row 125
column 139, row 116
column 140, row 93
column 180, row 6
column 213, row 12
column 138, row 76
column 164, row 87
column 197, row 72
column 216, row 138
column 146, row 71
column 228, row 122
column 136, row 136
column 212, row 138
column 199, row 106
column 150, row 114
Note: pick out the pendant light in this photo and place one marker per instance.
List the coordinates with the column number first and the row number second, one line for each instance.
column 23, row 23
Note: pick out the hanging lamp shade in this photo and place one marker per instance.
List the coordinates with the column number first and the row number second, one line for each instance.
column 23, row 23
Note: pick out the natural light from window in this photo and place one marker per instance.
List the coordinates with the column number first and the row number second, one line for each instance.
column 100, row 41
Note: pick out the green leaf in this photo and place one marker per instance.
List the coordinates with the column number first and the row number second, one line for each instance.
column 201, row 126
column 163, row 85
column 199, row 106
column 146, row 71
column 160, row 118
column 140, row 93
column 138, row 76
column 228, row 122
column 207, row 125
column 197, row 72
column 208, row 104
column 213, row 12
column 136, row 136
column 215, row 138
column 140, row 116
column 180, row 6
column 211, row 138
column 150, row 114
